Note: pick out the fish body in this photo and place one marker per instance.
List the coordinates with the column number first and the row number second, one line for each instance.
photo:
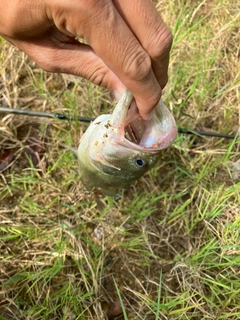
column 118, row 148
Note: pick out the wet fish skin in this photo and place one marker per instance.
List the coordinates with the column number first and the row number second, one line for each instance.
column 108, row 160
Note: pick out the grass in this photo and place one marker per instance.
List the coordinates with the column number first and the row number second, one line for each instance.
column 169, row 248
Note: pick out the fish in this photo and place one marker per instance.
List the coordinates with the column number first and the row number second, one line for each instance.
column 119, row 148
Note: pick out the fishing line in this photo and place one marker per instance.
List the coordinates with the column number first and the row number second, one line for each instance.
column 61, row 116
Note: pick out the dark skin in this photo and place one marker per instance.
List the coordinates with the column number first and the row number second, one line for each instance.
column 128, row 43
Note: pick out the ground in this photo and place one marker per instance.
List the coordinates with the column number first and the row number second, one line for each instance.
column 169, row 246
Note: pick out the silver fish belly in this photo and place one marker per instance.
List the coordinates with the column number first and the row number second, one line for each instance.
column 118, row 148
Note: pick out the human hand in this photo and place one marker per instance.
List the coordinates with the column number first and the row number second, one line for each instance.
column 127, row 46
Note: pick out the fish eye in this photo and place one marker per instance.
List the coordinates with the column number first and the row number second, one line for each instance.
column 139, row 162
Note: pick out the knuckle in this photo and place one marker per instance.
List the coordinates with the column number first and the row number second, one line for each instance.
column 138, row 66
column 95, row 72
column 98, row 77
column 160, row 45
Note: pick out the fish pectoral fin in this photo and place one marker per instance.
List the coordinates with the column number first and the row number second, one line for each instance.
column 74, row 151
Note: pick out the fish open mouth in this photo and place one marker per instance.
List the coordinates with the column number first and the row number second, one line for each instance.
column 133, row 131
column 154, row 134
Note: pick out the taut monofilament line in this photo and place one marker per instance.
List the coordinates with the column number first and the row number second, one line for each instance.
column 61, row 116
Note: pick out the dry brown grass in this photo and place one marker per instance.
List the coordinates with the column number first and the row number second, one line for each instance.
column 170, row 245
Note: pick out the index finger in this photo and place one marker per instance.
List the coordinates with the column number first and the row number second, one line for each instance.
column 114, row 42
column 122, row 52
column 152, row 33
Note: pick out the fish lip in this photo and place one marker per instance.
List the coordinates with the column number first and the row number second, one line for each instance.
column 156, row 134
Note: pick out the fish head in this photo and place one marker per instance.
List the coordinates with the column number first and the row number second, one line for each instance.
column 118, row 149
